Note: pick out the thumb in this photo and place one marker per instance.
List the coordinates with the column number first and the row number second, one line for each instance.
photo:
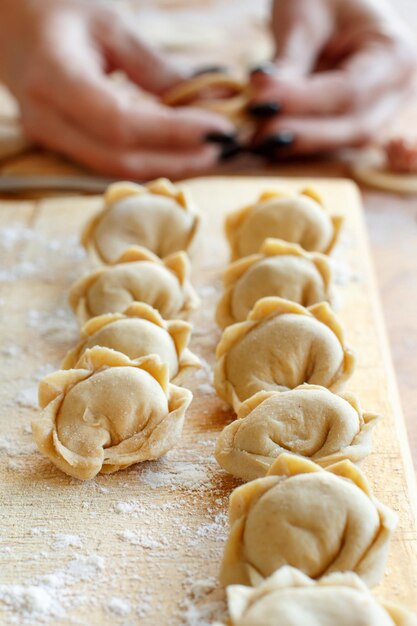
column 301, row 29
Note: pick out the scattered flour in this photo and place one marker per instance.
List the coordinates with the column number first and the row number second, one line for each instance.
column 28, row 398
column 179, row 475
column 206, row 389
column 67, row 541
column 32, row 602
column 201, row 606
column 140, row 539
column 50, row 596
column 119, row 606
column 11, row 351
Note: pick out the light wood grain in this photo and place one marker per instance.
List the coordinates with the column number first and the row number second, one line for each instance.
column 183, row 522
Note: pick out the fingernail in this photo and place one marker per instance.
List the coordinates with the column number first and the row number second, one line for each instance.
column 265, row 68
column 267, row 147
column 210, row 69
column 264, row 109
column 220, row 138
column 229, row 151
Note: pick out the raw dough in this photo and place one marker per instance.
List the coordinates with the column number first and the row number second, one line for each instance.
column 370, row 168
column 309, row 420
column 297, row 218
column 158, row 216
column 139, row 276
column 281, row 346
column 290, row 598
column 207, row 91
column 319, row 521
column 280, row 269
column 137, row 332
column 108, row 413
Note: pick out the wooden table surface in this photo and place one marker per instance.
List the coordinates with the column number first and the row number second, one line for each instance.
column 392, row 220
column 143, row 545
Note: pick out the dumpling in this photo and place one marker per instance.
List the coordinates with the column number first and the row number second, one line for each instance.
column 281, row 346
column 319, row 521
column 309, row 420
column 280, row 269
column 298, row 218
column 108, row 413
column 137, row 332
column 139, row 276
column 290, row 598
column 157, row 216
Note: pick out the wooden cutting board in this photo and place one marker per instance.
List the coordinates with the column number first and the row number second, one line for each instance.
column 144, row 545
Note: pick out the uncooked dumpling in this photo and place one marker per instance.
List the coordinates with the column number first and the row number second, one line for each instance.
column 137, row 332
column 319, row 521
column 157, row 216
column 281, row 346
column 109, row 413
column 298, row 218
column 290, row 598
column 309, row 420
column 139, row 276
column 280, row 269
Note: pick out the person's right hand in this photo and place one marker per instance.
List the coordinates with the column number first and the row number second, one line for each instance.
column 342, row 70
column 56, row 56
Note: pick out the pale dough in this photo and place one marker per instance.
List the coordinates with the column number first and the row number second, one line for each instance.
column 297, row 218
column 370, row 168
column 279, row 269
column 158, row 216
column 309, row 420
column 200, row 91
column 281, row 346
column 138, row 331
column 139, row 276
column 290, row 598
column 319, row 521
column 109, row 413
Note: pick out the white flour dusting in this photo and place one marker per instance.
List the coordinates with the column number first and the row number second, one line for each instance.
column 178, row 475
column 28, row 398
column 119, row 606
column 67, row 541
column 201, row 606
column 140, row 539
column 50, row 596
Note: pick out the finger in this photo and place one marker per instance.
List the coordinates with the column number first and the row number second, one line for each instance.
column 128, row 51
column 300, row 28
column 52, row 130
column 374, row 70
column 324, row 134
column 93, row 102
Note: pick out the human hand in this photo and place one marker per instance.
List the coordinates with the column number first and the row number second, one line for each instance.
column 341, row 71
column 58, row 71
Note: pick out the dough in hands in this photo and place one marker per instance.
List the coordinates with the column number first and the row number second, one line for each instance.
column 309, row 420
column 138, row 276
column 109, row 413
column 157, row 216
column 137, row 332
column 281, row 346
column 297, row 218
column 290, row 598
column 279, row 269
column 215, row 91
column 317, row 520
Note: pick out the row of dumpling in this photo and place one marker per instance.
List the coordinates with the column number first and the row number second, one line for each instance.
column 306, row 530
column 117, row 400
column 283, row 355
